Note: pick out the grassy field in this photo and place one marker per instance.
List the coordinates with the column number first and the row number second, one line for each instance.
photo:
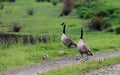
column 83, row 67
column 46, row 20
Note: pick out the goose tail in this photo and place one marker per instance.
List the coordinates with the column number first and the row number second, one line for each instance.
column 90, row 53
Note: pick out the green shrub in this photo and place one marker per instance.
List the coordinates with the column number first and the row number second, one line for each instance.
column 117, row 30
column 84, row 12
column 112, row 10
column 106, row 24
column 116, row 14
column 96, row 23
column 103, row 13
column 110, row 29
column 3, row 0
column 88, row 15
column 90, row 4
column 99, row 23
column 54, row 2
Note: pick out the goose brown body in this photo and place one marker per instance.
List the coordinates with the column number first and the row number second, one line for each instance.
column 66, row 40
column 82, row 47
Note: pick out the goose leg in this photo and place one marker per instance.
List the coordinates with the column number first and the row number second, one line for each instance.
column 86, row 57
column 81, row 55
column 82, row 58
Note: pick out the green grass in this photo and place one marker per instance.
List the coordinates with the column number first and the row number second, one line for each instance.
column 83, row 67
column 45, row 19
column 20, row 55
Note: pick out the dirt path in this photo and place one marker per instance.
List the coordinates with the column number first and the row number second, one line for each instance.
column 53, row 64
column 111, row 70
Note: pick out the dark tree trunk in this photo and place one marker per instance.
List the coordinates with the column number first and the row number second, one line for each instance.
column 67, row 8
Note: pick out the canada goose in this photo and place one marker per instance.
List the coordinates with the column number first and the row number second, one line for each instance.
column 65, row 40
column 82, row 47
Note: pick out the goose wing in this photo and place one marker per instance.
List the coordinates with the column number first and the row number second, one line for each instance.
column 68, row 41
column 86, row 47
column 87, row 50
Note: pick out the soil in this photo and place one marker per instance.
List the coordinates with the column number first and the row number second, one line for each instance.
column 53, row 64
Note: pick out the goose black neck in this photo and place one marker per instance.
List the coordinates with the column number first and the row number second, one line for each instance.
column 81, row 37
column 64, row 29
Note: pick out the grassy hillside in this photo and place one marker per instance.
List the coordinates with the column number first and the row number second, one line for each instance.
column 46, row 21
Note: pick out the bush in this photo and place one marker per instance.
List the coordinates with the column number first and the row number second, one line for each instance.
column 100, row 15
column 111, row 29
column 106, row 24
column 88, row 15
column 112, row 10
column 116, row 14
column 84, row 12
column 54, row 2
column 103, row 13
column 117, row 30
column 99, row 23
column 97, row 9
column 90, row 4
column 96, row 23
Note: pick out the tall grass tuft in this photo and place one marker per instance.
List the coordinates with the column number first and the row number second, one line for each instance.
column 16, row 27
column 30, row 11
column 1, row 6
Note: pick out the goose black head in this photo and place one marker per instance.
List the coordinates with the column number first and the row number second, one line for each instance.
column 82, row 29
column 81, row 37
column 64, row 26
column 63, row 23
